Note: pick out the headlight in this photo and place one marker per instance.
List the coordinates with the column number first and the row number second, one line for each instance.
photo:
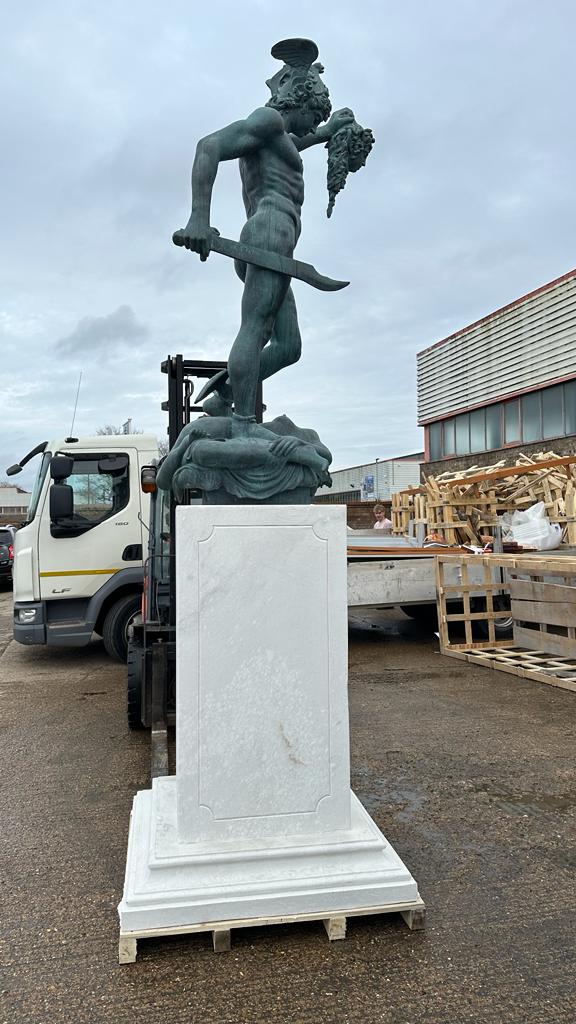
column 27, row 614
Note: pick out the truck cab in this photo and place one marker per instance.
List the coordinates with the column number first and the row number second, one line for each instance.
column 78, row 560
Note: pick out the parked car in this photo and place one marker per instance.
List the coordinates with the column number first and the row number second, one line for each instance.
column 6, row 552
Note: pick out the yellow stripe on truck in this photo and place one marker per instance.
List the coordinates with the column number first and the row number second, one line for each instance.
column 81, row 572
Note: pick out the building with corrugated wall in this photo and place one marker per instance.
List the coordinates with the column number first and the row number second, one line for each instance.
column 505, row 384
column 372, row 481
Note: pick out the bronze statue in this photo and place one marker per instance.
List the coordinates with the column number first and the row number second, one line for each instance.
column 268, row 144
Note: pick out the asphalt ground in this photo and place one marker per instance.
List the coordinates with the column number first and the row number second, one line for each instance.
column 469, row 772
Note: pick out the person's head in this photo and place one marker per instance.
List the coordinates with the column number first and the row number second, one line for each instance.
column 379, row 512
column 298, row 92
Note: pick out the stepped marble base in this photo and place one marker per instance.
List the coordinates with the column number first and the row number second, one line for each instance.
column 173, row 885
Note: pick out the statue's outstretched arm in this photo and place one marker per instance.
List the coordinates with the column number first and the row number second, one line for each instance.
column 236, row 140
column 323, row 134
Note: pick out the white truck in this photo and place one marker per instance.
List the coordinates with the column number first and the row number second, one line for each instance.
column 78, row 560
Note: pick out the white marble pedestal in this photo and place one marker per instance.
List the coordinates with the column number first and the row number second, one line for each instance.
column 259, row 823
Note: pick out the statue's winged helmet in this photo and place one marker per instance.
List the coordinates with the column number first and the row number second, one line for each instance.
column 298, row 56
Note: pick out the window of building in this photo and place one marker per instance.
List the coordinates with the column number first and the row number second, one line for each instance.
column 462, row 424
column 570, row 407
column 536, row 416
column 493, row 426
column 478, row 430
column 435, row 441
column 552, row 411
column 531, row 416
column 512, row 421
column 449, row 438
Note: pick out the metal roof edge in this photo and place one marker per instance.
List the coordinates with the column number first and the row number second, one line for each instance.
column 502, row 309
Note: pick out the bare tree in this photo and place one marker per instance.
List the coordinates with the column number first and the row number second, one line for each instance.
column 110, row 429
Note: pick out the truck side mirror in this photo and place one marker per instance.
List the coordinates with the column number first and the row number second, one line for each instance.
column 61, row 466
column 61, row 502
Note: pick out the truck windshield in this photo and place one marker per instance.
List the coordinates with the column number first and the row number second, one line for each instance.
column 37, row 488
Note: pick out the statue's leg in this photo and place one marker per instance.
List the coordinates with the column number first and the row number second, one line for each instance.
column 285, row 344
column 264, row 293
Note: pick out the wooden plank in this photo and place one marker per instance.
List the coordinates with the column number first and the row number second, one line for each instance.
column 543, row 677
column 332, row 920
column 466, row 599
column 550, row 643
column 335, row 927
column 546, row 672
column 529, row 590
column 497, row 474
column 479, row 616
column 415, row 919
column 221, row 940
column 127, row 950
column 549, row 613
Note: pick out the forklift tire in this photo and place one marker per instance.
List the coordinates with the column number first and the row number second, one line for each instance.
column 115, row 628
column 134, row 681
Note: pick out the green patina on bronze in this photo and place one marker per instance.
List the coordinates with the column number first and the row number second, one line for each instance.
column 244, row 462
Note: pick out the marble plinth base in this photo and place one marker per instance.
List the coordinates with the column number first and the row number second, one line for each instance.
column 259, row 822
column 172, row 884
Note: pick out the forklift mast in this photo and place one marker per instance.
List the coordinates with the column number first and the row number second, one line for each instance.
column 181, row 373
column 152, row 646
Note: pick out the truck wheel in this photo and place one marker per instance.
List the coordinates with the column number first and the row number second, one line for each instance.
column 425, row 614
column 115, row 628
column 503, row 628
column 134, row 681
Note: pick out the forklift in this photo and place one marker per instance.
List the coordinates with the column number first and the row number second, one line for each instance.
column 151, row 661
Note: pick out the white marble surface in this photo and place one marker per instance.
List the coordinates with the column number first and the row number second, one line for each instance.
column 171, row 884
column 259, row 821
column 262, row 707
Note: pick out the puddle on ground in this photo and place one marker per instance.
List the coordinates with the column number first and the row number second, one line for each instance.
column 529, row 803
column 408, row 799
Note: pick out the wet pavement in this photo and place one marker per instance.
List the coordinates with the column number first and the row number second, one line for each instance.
column 469, row 772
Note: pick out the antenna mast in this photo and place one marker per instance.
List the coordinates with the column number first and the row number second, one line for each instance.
column 75, row 406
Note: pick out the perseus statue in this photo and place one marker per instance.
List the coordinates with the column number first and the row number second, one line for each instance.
column 267, row 145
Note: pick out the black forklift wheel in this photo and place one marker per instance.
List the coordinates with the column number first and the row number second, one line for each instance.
column 134, row 681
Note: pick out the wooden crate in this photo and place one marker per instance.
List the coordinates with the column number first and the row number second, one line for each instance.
column 542, row 591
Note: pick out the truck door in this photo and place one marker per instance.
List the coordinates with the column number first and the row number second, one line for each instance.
column 79, row 554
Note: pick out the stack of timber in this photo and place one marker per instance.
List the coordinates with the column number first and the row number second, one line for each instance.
column 463, row 507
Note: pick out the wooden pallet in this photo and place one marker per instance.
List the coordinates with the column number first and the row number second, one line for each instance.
column 519, row 661
column 414, row 915
column 542, row 593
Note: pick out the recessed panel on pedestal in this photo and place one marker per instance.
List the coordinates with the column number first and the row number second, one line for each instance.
column 261, row 671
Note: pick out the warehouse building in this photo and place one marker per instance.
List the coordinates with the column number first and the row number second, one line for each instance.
column 14, row 503
column 372, row 481
column 503, row 385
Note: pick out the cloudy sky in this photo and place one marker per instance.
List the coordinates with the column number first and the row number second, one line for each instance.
column 467, row 201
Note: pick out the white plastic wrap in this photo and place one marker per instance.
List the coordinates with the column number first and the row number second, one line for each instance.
column 538, row 533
